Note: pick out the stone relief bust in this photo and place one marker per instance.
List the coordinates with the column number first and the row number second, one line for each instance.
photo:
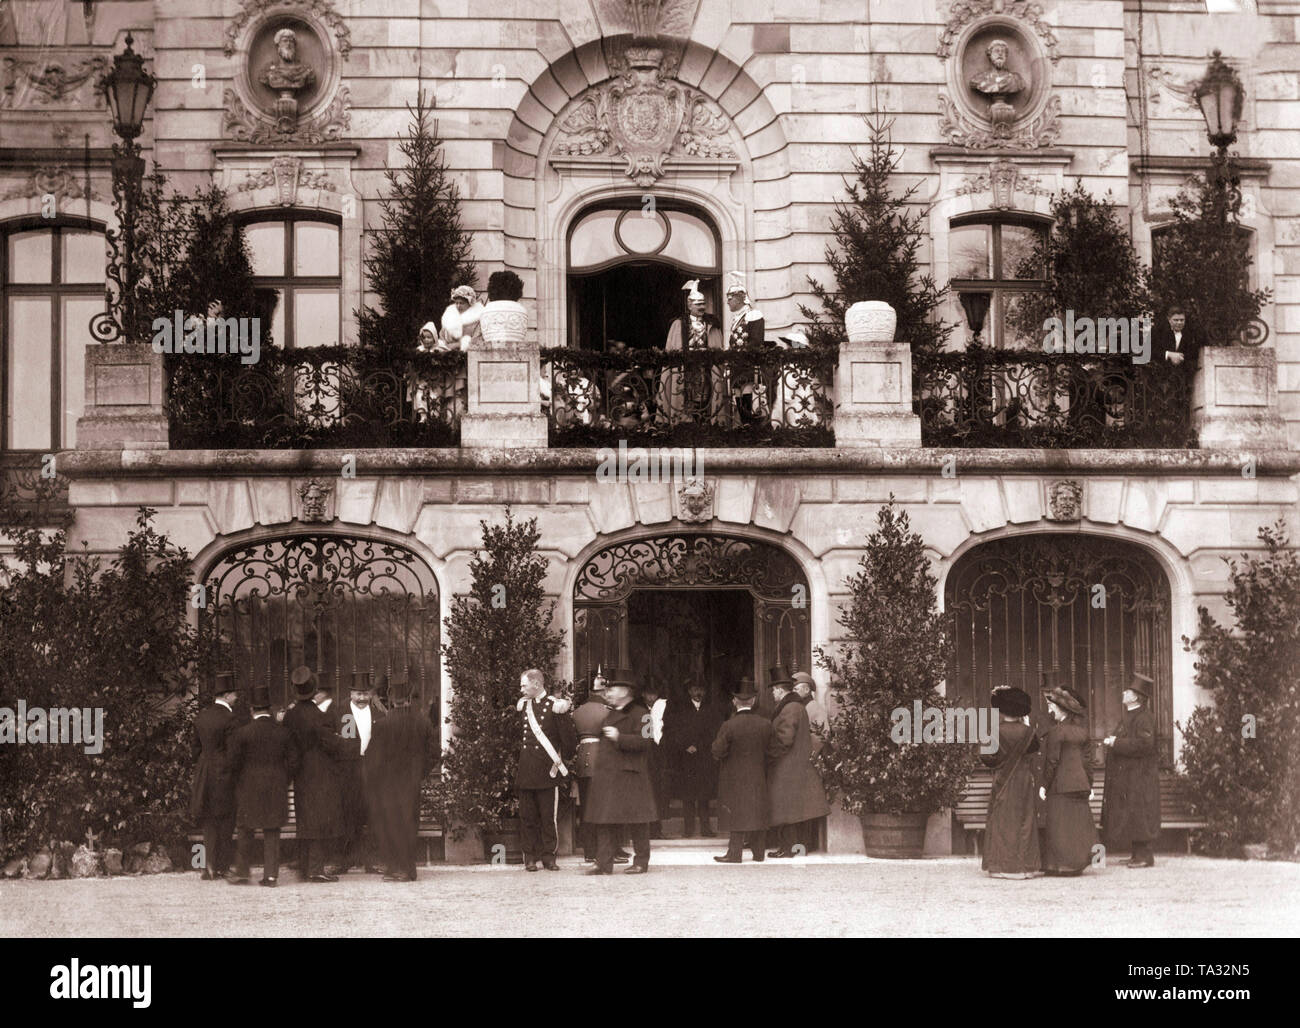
column 998, row 80
column 287, row 74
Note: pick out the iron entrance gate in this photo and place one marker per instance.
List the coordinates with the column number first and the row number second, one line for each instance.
column 337, row 603
column 1083, row 610
column 692, row 561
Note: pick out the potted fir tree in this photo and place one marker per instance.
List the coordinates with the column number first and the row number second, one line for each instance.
column 895, row 655
column 1241, row 752
column 876, row 256
column 495, row 633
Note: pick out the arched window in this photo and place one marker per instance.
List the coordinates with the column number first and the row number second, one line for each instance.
column 627, row 263
column 51, row 285
column 994, row 254
column 296, row 268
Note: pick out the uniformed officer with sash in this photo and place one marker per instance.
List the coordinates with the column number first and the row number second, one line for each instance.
column 547, row 744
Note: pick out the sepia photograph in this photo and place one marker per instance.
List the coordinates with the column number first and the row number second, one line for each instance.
column 831, row 467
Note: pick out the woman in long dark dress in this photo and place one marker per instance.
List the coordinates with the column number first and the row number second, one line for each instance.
column 1067, row 786
column 1011, row 837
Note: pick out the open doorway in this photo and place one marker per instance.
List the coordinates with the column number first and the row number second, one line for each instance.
column 628, row 261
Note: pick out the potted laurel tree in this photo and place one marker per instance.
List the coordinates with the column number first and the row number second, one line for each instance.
column 495, row 633
column 894, row 656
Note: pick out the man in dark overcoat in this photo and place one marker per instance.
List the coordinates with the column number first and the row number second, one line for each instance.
column 212, row 795
column 742, row 748
column 794, row 788
column 546, row 748
column 355, row 727
column 401, row 755
column 262, row 760
column 622, row 795
column 318, row 808
column 1130, row 806
column 690, row 726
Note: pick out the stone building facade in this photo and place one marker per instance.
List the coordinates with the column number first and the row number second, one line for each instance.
column 738, row 117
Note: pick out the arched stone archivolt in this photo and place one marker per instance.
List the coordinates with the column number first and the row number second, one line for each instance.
column 730, row 158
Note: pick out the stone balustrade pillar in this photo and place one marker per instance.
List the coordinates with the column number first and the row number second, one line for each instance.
column 504, row 384
column 873, row 384
column 1234, row 399
column 124, row 399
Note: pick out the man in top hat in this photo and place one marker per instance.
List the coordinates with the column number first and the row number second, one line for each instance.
column 547, row 744
column 1130, row 805
column 356, row 727
column 690, row 726
column 794, row 789
column 742, row 748
column 587, row 720
column 401, row 754
column 805, row 687
column 318, row 807
column 212, row 795
column 262, row 760
column 622, row 796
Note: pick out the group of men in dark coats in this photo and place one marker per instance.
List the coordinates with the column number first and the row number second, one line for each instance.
column 765, row 778
column 350, row 769
column 1130, row 811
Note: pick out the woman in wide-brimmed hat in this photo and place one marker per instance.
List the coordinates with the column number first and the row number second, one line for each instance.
column 1067, row 786
column 1011, row 836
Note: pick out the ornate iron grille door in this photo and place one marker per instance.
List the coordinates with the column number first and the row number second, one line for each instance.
column 336, row 603
column 692, row 561
column 1086, row 610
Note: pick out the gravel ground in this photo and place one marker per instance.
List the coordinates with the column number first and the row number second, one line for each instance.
column 683, row 896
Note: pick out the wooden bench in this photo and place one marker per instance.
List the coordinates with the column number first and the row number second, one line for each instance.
column 972, row 809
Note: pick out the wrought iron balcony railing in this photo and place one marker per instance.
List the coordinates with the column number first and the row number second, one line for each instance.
column 327, row 397
column 1023, row 399
column 762, row 395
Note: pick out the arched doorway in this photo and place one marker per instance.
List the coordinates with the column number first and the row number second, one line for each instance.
column 681, row 605
column 1084, row 611
column 628, row 259
column 337, row 603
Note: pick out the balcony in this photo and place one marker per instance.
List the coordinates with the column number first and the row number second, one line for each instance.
column 758, row 396
column 513, row 396
column 1027, row 399
column 321, row 398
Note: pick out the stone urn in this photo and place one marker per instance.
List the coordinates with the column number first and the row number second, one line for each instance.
column 504, row 321
column 870, row 321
